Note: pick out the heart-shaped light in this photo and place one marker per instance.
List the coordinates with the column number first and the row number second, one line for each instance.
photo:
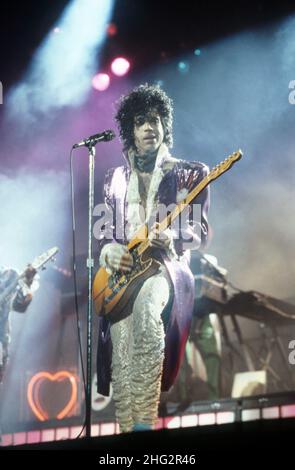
column 33, row 393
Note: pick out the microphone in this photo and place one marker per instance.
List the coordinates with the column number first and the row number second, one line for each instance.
column 104, row 136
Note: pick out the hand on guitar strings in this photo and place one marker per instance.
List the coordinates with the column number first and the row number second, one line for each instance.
column 118, row 258
column 29, row 275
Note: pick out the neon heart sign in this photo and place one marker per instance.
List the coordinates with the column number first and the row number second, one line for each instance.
column 34, row 387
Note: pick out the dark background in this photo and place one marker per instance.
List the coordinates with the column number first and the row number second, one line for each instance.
column 150, row 31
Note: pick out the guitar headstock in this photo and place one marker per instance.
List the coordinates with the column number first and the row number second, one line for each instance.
column 44, row 258
column 222, row 167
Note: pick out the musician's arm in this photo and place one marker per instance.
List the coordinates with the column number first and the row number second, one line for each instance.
column 21, row 301
column 106, row 244
column 24, row 293
column 105, row 235
column 113, row 255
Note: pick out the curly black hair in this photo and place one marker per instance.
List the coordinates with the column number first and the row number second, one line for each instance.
column 142, row 100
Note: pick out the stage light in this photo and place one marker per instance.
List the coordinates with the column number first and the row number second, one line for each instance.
column 183, row 67
column 62, row 67
column 197, row 52
column 101, row 81
column 112, row 29
column 120, row 66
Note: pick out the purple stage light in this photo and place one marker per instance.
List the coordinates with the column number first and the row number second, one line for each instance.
column 101, row 81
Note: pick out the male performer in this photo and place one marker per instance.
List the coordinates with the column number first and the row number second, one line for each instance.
column 18, row 300
column 141, row 352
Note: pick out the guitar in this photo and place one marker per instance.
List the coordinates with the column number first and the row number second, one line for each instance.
column 36, row 264
column 112, row 292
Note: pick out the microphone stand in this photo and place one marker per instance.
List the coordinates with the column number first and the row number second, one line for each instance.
column 90, row 144
column 90, row 266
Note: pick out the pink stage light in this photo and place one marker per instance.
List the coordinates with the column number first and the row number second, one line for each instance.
column 120, row 66
column 101, row 81
column 112, row 29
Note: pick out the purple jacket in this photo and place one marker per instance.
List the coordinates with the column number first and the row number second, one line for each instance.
column 178, row 176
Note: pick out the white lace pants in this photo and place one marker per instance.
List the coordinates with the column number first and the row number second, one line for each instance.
column 138, row 354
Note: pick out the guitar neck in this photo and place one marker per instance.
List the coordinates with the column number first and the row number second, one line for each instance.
column 36, row 264
column 167, row 221
column 141, row 235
